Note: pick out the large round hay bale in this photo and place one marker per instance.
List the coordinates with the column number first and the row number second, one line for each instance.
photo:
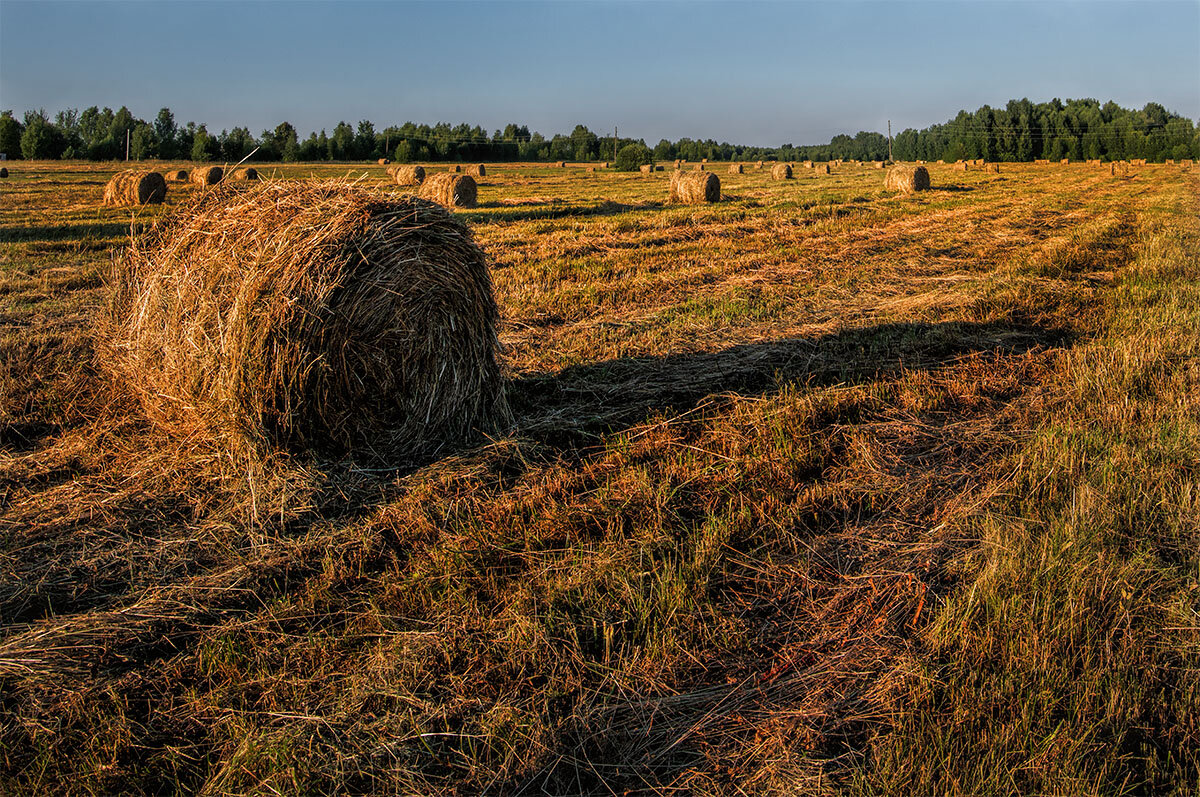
column 135, row 187
column 695, row 187
column 878, row 164
column 243, row 174
column 3, row 172
column 820, row 168
column 991, row 168
column 476, row 170
column 450, row 190
column 455, row 169
column 175, row 175
column 309, row 315
column 781, row 171
column 646, row 169
column 383, row 161
column 561, row 164
column 907, row 179
column 407, row 175
column 736, row 168
column 206, row 175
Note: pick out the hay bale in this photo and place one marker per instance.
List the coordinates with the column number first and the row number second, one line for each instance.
column 991, row 168
column 330, row 317
column 450, row 190
column 820, row 168
column 3, row 172
column 781, row 171
column 407, row 175
column 907, row 179
column 604, row 165
column 758, row 165
column 1185, row 162
column 1119, row 169
column 646, row 169
column 1169, row 162
column 942, row 162
column 736, row 168
column 247, row 173
column 176, row 175
column 135, row 187
column 206, row 175
column 877, row 164
column 1040, row 162
column 695, row 187
column 455, row 169
column 704, row 160
column 476, row 170
column 383, row 161
column 1065, row 160
column 561, row 164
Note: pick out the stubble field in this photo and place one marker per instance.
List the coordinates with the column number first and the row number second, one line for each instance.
column 816, row 489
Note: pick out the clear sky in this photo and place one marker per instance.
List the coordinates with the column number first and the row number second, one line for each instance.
column 744, row 72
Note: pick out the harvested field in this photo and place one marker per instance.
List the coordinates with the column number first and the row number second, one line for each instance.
column 813, row 490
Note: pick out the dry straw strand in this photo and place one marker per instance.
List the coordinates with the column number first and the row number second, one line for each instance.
column 695, row 187
column 449, row 190
column 309, row 315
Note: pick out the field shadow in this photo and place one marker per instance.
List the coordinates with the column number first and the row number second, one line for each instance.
column 578, row 404
column 552, row 210
column 62, row 232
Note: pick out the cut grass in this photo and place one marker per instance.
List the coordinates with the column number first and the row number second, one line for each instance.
column 813, row 490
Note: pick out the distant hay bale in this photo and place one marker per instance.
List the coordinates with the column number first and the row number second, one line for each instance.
column 561, row 164
column 758, row 165
column 135, row 187
column 695, row 187
column 992, row 168
column 1040, row 162
column 907, row 179
column 657, row 168
column 807, row 164
column 781, row 171
column 942, row 161
column 700, row 167
column 704, row 160
column 678, row 163
column 3, row 172
column 332, row 318
column 604, row 165
column 449, row 190
column 961, row 166
column 736, row 168
column 1169, row 162
column 1185, row 162
column 1065, row 160
column 820, row 168
column 206, row 175
column 476, row 170
column 646, row 169
column 455, row 169
column 1119, row 169
column 247, row 173
column 877, row 164
column 407, row 175
column 176, row 175
column 383, row 161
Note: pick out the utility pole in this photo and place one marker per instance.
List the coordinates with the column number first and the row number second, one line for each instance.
column 127, row 144
column 889, row 139
column 614, row 145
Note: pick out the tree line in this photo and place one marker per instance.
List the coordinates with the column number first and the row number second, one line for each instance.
column 1021, row 131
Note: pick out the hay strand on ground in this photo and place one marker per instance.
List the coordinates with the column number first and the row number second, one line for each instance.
column 449, row 190
column 695, row 187
column 907, row 179
column 331, row 316
column 135, row 187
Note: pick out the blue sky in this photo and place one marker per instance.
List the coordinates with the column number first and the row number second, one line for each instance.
column 744, row 72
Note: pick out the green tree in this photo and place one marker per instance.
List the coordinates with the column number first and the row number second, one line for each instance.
column 200, row 145
column 631, row 156
column 41, row 139
column 142, row 142
column 165, row 132
column 10, row 135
